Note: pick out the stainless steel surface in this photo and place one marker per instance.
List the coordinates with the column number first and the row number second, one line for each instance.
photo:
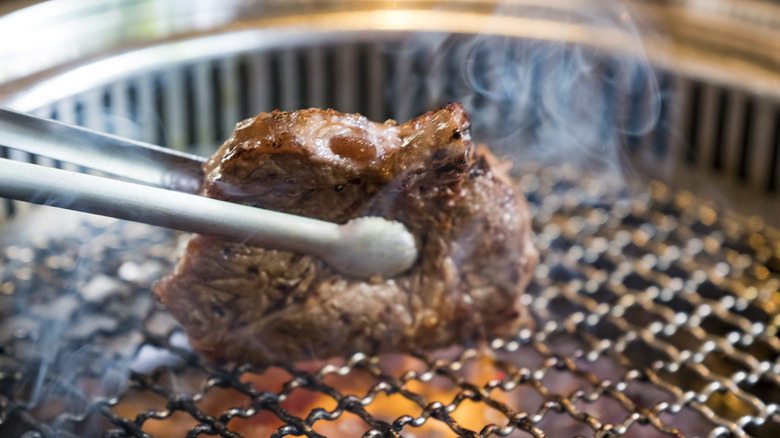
column 220, row 56
column 142, row 162
column 657, row 311
column 363, row 247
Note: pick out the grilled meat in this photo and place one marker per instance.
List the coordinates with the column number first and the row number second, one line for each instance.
column 245, row 303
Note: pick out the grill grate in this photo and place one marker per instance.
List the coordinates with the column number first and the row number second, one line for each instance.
column 656, row 316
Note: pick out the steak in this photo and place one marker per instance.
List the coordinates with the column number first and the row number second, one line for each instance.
column 239, row 302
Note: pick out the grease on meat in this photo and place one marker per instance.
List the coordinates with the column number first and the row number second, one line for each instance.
column 239, row 302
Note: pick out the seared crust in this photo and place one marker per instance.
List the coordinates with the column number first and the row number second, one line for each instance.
column 244, row 303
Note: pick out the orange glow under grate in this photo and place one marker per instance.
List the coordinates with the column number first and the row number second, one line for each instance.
column 655, row 316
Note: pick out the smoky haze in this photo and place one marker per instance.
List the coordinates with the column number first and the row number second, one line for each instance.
column 575, row 86
column 548, row 100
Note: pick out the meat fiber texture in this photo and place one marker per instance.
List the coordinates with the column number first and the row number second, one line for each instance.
column 239, row 302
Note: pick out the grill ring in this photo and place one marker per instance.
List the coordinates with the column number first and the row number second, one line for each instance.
column 650, row 303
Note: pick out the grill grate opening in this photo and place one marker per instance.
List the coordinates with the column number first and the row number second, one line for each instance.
column 747, row 141
column 766, row 429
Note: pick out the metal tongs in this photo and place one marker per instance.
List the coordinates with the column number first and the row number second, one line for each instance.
column 362, row 247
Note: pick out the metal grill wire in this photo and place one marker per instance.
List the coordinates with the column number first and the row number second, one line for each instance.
column 655, row 317
column 656, row 314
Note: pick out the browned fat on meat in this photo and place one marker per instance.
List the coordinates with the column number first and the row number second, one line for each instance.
column 239, row 302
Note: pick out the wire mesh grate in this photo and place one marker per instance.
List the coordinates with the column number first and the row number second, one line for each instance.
column 656, row 315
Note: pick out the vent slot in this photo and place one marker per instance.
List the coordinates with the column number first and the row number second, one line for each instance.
column 242, row 77
column 664, row 126
column 720, row 132
column 7, row 206
column 747, row 140
column 774, row 164
column 190, row 102
column 159, row 111
column 695, row 121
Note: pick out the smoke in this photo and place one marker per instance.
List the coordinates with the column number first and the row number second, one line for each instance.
column 565, row 82
column 572, row 84
column 80, row 290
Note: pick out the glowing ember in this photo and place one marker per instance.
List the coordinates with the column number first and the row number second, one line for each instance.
column 637, row 337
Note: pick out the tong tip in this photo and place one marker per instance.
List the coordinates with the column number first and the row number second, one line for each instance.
column 373, row 246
